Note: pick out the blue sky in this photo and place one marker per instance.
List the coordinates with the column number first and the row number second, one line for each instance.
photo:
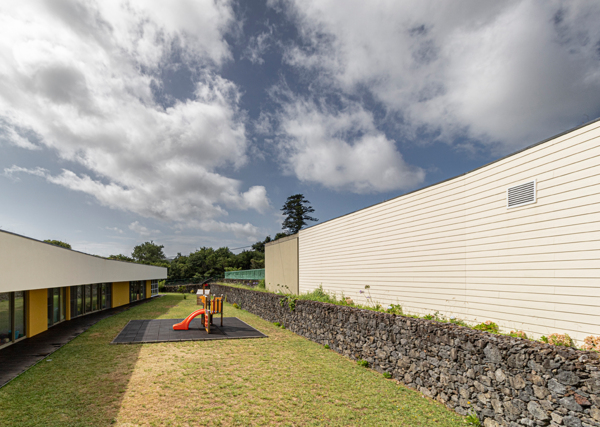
column 189, row 123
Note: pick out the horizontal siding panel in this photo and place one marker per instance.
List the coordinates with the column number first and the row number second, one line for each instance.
column 456, row 248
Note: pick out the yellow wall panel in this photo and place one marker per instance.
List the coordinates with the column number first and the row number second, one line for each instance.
column 68, row 308
column 120, row 294
column 37, row 312
column 148, row 289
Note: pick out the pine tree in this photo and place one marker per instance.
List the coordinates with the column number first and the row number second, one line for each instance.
column 296, row 209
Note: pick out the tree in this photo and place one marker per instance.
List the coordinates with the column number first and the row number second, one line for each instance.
column 148, row 252
column 296, row 209
column 58, row 243
column 121, row 257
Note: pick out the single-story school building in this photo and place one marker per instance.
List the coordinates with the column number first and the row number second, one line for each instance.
column 42, row 285
column 516, row 242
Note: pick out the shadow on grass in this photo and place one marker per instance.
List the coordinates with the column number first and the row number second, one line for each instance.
column 82, row 383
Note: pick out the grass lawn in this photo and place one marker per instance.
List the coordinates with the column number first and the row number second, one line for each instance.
column 282, row 380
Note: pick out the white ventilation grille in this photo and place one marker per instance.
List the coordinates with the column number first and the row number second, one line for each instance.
column 522, row 194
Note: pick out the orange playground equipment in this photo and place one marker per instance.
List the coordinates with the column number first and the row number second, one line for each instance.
column 185, row 325
column 211, row 307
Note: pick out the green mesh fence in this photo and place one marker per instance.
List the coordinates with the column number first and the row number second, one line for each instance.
column 257, row 274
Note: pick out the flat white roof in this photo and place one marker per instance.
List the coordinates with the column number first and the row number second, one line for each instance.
column 27, row 263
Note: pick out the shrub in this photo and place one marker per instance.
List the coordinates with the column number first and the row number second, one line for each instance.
column 191, row 291
column 327, row 347
column 181, row 288
column 261, row 284
column 472, row 419
column 235, row 305
column 362, row 363
column 518, row 334
column 592, row 343
column 161, row 286
column 184, row 296
column 387, row 375
column 394, row 309
column 277, row 324
column 488, row 326
column 282, row 326
column 562, row 340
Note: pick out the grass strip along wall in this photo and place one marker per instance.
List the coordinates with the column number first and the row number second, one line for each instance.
column 506, row 381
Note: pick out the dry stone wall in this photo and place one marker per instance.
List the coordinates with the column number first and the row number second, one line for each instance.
column 507, row 381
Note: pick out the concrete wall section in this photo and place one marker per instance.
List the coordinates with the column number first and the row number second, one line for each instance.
column 281, row 265
column 455, row 247
column 30, row 264
column 120, row 294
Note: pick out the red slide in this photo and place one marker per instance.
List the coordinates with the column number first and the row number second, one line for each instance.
column 185, row 325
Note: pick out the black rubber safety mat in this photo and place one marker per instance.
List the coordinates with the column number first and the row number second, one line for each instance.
column 161, row 330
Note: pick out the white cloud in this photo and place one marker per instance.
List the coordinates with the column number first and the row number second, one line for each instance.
column 80, row 76
column 141, row 230
column 507, row 73
column 257, row 47
column 343, row 150
column 242, row 231
column 115, row 229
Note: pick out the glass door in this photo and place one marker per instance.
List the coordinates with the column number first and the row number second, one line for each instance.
column 19, row 310
column 5, row 318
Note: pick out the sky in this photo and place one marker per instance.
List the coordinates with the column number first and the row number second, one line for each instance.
column 189, row 123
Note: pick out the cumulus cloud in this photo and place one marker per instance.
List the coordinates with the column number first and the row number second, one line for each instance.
column 81, row 77
column 505, row 73
column 341, row 149
column 138, row 228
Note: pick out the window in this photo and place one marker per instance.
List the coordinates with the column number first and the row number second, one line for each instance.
column 57, row 305
column 12, row 317
column 137, row 290
column 154, row 287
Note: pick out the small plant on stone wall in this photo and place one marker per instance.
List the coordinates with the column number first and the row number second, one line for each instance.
column 326, row 346
column 277, row 324
column 290, row 301
column 235, row 305
column 592, row 343
column 387, row 375
column 472, row 419
column 518, row 334
column 362, row 363
column 488, row 326
column 562, row 340
column 394, row 309
column 435, row 316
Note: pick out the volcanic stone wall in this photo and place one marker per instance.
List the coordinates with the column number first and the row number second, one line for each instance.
column 507, row 381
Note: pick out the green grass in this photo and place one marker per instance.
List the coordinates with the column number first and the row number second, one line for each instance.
column 283, row 380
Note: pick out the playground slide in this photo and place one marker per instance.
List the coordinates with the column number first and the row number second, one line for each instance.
column 185, row 325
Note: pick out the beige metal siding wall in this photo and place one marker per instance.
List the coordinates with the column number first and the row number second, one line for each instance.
column 456, row 248
column 281, row 265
